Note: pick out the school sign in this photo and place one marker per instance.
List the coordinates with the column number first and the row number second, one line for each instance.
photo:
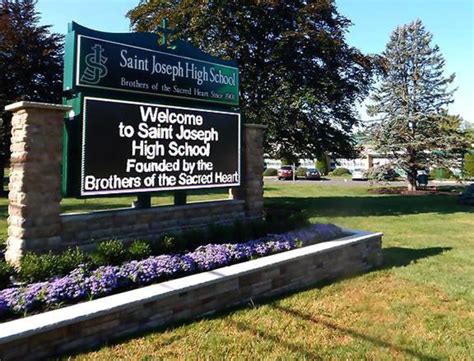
column 147, row 117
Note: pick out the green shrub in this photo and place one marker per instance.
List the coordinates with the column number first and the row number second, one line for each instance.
column 270, row 172
column 301, row 172
column 39, row 267
column 278, row 220
column 441, row 173
column 338, row 172
column 383, row 173
column 180, row 242
column 469, row 165
column 167, row 243
column 71, row 258
column 6, row 270
column 138, row 250
column 111, row 252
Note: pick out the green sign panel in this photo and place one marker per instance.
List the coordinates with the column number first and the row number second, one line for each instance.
column 146, row 117
column 138, row 65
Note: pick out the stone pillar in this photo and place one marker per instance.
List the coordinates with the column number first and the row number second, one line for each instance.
column 251, row 189
column 34, row 222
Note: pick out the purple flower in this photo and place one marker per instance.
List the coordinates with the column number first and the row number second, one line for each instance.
column 21, row 300
column 316, row 233
column 128, row 273
column 240, row 251
column 106, row 279
column 187, row 264
column 3, row 305
column 33, row 295
column 102, row 281
column 68, row 288
column 210, row 256
column 258, row 248
column 11, row 297
column 152, row 269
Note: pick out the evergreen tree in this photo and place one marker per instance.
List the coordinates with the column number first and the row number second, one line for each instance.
column 30, row 62
column 410, row 104
column 298, row 75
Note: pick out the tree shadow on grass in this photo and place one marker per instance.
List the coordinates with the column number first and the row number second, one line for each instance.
column 393, row 205
column 393, row 257
column 243, row 327
column 3, row 211
column 401, row 256
column 351, row 332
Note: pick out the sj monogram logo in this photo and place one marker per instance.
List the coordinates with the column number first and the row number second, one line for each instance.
column 95, row 66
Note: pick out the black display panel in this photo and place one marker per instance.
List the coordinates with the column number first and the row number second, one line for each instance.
column 132, row 147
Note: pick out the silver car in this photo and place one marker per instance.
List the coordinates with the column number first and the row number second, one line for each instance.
column 359, row 174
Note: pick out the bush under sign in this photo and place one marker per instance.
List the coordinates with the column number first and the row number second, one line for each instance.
column 132, row 147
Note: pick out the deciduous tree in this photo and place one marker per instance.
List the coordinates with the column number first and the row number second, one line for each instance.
column 30, row 62
column 298, row 74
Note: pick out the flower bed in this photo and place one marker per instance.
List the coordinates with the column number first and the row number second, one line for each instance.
column 103, row 320
column 82, row 284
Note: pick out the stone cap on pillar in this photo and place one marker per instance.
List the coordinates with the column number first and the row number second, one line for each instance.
column 36, row 105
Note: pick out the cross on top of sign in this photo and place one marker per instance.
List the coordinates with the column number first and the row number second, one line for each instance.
column 165, row 31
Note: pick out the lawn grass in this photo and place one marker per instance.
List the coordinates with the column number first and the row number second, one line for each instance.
column 419, row 305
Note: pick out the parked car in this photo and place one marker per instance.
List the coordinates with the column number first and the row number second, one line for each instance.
column 381, row 174
column 390, row 174
column 312, row 173
column 359, row 174
column 422, row 177
column 286, row 172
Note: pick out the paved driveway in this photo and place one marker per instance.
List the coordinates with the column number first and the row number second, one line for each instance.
column 338, row 181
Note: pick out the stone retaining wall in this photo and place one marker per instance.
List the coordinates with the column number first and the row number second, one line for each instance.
column 149, row 223
column 94, row 323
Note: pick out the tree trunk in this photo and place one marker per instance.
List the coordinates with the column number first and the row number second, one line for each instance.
column 411, row 178
column 411, row 185
column 413, row 167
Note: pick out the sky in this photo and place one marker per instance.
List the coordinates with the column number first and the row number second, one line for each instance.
column 450, row 21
